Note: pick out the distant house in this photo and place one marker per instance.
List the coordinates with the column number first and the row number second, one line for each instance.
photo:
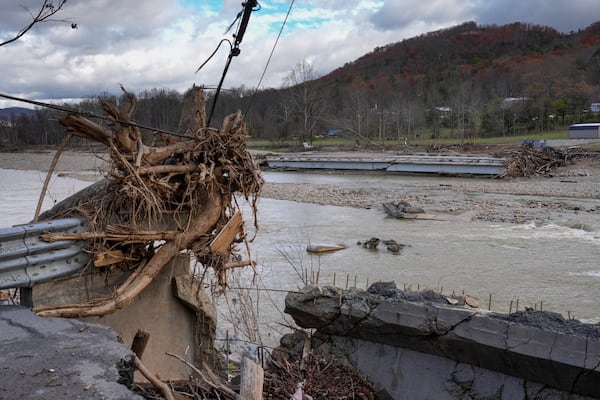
column 595, row 107
column 508, row 102
column 444, row 112
column 585, row 131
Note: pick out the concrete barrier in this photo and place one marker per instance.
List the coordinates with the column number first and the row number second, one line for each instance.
column 423, row 347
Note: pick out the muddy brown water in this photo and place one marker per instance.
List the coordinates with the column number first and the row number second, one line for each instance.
column 552, row 264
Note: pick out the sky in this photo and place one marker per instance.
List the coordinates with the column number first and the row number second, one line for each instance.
column 161, row 43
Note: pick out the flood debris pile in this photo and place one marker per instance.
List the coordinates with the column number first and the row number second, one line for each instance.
column 297, row 372
column 528, row 161
column 177, row 191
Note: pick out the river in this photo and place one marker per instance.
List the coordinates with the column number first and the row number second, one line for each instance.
column 551, row 265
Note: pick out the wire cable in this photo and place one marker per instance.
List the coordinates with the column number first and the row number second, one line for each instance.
column 249, row 6
column 268, row 60
column 214, row 52
column 91, row 114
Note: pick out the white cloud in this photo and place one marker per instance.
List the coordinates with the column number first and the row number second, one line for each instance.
column 161, row 43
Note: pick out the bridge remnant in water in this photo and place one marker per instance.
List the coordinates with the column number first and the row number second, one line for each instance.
column 417, row 163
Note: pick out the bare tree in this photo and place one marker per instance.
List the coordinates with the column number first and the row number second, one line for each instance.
column 353, row 113
column 45, row 13
column 306, row 99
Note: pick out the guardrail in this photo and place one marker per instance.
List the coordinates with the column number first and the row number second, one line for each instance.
column 25, row 259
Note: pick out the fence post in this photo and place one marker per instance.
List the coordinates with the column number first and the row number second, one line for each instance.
column 251, row 385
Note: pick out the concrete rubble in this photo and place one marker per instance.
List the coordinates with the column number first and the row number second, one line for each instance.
column 432, row 349
column 59, row 358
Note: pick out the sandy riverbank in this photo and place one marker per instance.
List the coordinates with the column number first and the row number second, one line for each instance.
column 572, row 190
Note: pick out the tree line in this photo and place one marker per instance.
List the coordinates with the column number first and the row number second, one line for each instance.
column 465, row 82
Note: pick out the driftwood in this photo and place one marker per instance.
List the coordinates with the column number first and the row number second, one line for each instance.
column 181, row 193
column 528, row 161
column 163, row 387
column 140, row 341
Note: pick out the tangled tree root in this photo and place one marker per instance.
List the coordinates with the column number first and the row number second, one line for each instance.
column 181, row 193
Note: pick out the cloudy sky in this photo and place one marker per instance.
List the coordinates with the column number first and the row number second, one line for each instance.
column 160, row 43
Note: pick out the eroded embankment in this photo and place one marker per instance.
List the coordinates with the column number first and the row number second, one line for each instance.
column 419, row 346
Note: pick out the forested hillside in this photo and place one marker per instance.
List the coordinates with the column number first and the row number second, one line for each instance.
column 480, row 80
column 467, row 81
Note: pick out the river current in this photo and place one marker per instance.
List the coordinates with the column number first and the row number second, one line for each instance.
column 546, row 265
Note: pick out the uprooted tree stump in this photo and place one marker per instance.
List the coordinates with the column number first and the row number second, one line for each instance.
column 181, row 194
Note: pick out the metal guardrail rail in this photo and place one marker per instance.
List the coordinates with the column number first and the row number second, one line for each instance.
column 25, row 259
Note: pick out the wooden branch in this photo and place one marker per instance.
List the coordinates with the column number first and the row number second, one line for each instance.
column 193, row 113
column 211, row 382
column 165, row 169
column 238, row 264
column 59, row 151
column 126, row 293
column 125, row 138
column 140, row 341
column 163, row 387
column 128, row 112
column 43, row 15
column 138, row 237
column 155, row 155
column 84, row 128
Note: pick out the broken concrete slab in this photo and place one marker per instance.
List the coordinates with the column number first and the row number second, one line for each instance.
column 327, row 299
column 537, row 347
column 57, row 358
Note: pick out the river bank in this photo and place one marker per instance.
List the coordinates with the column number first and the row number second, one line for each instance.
column 571, row 190
column 474, row 257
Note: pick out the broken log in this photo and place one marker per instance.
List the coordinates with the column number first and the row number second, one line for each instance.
column 140, row 341
column 163, row 387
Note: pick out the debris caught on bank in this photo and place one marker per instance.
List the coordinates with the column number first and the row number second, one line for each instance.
column 320, row 377
column 403, row 210
column 179, row 192
column 528, row 161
